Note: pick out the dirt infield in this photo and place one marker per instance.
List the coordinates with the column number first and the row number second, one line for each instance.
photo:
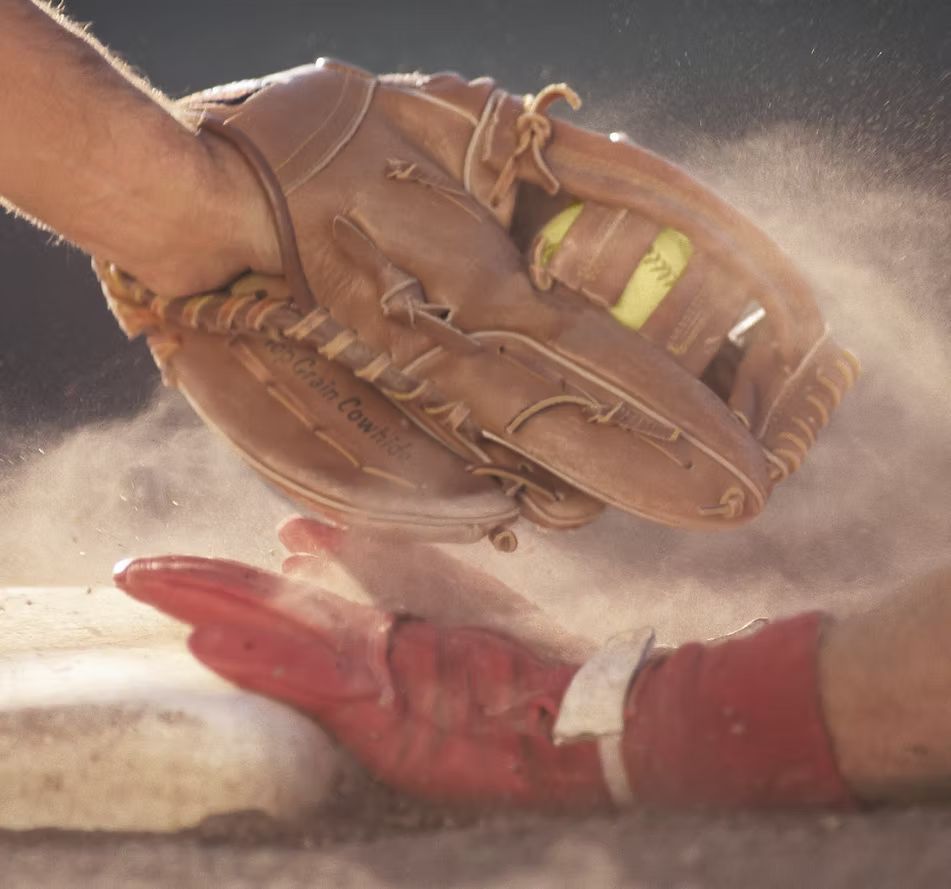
column 884, row 850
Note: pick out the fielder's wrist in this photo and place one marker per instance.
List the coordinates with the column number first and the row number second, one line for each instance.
column 215, row 224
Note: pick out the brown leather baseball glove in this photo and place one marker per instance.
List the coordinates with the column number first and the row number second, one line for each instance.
column 486, row 311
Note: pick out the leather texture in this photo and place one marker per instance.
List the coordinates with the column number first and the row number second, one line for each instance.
column 465, row 270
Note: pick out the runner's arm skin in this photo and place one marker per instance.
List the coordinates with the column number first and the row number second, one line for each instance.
column 92, row 152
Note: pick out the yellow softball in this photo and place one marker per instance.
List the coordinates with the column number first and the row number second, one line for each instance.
column 657, row 272
column 653, row 278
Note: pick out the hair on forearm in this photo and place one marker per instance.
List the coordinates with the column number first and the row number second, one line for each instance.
column 89, row 53
column 91, row 150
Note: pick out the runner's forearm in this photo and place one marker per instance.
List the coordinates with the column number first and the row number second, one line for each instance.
column 885, row 678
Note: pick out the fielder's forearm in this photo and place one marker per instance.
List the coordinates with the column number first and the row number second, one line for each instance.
column 95, row 154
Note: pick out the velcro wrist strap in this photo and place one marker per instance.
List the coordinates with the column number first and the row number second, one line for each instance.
column 593, row 705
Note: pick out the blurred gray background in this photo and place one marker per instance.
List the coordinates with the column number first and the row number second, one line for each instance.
column 679, row 69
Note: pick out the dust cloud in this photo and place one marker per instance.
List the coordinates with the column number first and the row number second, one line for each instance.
column 868, row 510
column 158, row 483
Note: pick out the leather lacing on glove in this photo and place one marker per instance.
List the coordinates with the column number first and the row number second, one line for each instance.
column 534, row 130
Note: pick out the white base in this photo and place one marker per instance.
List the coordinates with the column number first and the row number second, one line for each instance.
column 107, row 722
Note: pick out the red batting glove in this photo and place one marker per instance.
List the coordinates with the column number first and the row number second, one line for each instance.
column 449, row 715
column 465, row 715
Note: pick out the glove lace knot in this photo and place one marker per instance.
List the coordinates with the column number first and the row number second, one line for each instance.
column 533, row 130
